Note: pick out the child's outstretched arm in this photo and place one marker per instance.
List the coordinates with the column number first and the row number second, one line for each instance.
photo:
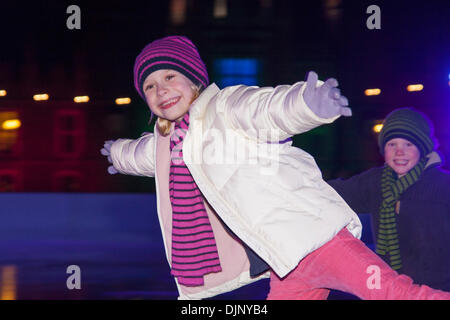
column 133, row 157
column 289, row 109
column 325, row 100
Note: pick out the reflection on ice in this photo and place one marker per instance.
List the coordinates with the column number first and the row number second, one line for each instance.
column 8, row 285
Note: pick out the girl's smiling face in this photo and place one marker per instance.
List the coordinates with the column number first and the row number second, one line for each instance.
column 169, row 94
column 401, row 155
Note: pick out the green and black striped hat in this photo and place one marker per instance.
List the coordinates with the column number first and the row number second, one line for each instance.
column 408, row 124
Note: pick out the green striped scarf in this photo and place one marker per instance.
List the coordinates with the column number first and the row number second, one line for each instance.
column 391, row 189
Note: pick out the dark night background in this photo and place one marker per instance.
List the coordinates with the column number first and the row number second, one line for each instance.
column 288, row 38
column 59, row 206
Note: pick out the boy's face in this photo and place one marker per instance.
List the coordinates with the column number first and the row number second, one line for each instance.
column 169, row 94
column 401, row 155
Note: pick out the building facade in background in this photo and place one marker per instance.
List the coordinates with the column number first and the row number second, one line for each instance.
column 52, row 145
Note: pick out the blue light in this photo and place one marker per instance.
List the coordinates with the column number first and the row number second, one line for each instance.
column 233, row 66
column 234, row 80
column 233, row 71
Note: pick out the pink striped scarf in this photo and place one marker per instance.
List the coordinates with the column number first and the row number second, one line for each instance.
column 194, row 250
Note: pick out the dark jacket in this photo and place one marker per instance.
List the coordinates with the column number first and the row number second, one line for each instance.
column 423, row 220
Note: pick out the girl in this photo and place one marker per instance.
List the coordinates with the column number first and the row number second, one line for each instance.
column 234, row 198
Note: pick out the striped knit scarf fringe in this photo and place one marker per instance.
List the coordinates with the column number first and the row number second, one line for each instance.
column 194, row 250
column 391, row 189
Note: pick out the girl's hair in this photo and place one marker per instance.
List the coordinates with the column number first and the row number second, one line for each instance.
column 164, row 125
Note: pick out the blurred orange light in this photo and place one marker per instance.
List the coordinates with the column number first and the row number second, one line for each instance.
column 40, row 97
column 11, row 124
column 2, row 93
column 80, row 99
column 123, row 101
column 415, row 87
column 377, row 128
column 372, row 92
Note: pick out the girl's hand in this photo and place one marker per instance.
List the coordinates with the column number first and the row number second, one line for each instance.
column 106, row 151
column 325, row 101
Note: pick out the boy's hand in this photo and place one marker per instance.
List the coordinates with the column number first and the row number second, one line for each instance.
column 325, row 101
column 106, row 151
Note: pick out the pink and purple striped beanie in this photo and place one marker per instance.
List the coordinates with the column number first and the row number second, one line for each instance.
column 175, row 53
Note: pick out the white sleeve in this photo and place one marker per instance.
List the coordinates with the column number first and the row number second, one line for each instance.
column 280, row 109
column 135, row 157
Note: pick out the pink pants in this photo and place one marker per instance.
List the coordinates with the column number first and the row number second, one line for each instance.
column 346, row 264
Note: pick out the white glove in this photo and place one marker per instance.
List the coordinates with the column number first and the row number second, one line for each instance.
column 106, row 151
column 325, row 101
